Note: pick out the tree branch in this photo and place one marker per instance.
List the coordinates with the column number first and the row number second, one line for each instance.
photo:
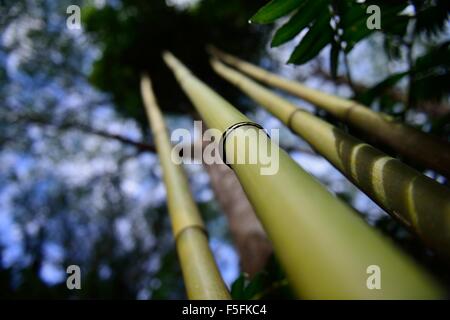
column 69, row 125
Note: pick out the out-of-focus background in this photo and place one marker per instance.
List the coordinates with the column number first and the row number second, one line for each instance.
column 79, row 181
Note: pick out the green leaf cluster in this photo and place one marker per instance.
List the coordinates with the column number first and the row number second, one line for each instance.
column 339, row 23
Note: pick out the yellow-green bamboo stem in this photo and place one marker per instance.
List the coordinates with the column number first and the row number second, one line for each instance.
column 201, row 276
column 418, row 201
column 324, row 247
column 414, row 144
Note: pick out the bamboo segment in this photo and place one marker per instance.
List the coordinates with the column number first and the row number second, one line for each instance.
column 323, row 246
column 414, row 144
column 416, row 200
column 201, row 276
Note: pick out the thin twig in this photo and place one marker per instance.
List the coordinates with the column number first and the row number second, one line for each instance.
column 69, row 125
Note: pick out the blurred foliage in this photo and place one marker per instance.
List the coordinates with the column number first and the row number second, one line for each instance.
column 339, row 23
column 270, row 283
column 135, row 33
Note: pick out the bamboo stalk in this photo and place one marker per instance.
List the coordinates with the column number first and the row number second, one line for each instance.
column 419, row 202
column 201, row 276
column 414, row 144
column 324, row 247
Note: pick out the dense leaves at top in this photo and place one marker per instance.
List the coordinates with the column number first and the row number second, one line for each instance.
column 134, row 34
column 344, row 21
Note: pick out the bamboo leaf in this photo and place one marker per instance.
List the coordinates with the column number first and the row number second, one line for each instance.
column 432, row 74
column 354, row 19
column 395, row 24
column 306, row 14
column 368, row 96
column 352, row 14
column 355, row 28
column 238, row 287
column 318, row 36
column 432, row 20
column 274, row 10
column 356, row 33
column 264, row 285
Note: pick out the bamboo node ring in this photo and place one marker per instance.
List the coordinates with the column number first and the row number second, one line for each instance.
column 289, row 120
column 228, row 131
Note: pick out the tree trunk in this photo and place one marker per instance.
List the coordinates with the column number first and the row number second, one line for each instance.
column 248, row 234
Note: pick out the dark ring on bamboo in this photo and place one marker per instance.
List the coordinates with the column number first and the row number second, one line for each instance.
column 349, row 110
column 192, row 226
column 289, row 120
column 225, row 134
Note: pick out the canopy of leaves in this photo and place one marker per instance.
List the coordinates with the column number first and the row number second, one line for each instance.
column 343, row 23
column 134, row 34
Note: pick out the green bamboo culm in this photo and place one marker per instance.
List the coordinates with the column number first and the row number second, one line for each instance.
column 323, row 246
column 201, row 276
column 419, row 202
column 414, row 144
